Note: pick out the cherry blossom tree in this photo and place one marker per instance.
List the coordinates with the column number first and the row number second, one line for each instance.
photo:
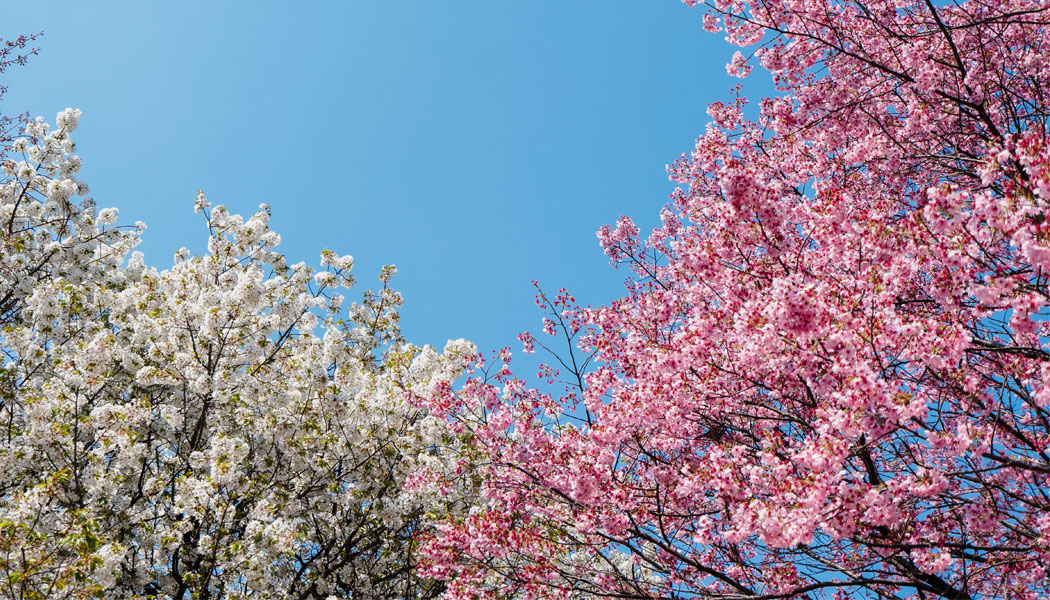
column 223, row 428
column 829, row 375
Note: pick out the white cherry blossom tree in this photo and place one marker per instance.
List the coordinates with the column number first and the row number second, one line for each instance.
column 222, row 428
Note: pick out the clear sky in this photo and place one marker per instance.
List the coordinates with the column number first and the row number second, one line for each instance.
column 476, row 145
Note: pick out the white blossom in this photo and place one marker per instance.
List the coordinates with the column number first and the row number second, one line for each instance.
column 211, row 427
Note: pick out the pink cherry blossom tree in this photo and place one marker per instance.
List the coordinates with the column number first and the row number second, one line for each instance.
column 829, row 376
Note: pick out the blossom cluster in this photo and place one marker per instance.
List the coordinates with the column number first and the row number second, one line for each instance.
column 830, row 375
column 221, row 428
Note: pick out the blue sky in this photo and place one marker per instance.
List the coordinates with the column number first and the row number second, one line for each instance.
column 476, row 145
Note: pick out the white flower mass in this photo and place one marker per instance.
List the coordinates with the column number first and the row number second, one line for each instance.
column 216, row 429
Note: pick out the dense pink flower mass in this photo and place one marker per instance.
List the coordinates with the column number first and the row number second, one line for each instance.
column 829, row 374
